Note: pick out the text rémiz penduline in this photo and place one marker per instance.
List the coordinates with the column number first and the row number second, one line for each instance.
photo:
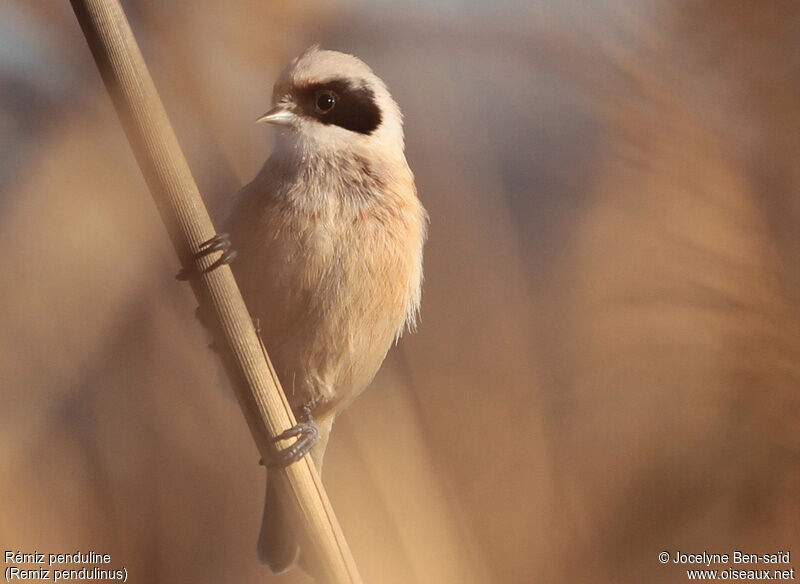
column 35, row 557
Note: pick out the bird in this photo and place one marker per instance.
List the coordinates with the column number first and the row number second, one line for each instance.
column 328, row 241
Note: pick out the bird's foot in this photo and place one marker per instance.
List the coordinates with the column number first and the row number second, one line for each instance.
column 205, row 320
column 220, row 242
column 307, row 435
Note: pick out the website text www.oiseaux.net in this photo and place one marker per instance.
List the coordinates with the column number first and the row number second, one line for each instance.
column 735, row 566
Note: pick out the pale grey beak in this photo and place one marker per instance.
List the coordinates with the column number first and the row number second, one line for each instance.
column 278, row 115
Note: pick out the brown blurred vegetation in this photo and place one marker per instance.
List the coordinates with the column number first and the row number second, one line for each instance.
column 608, row 360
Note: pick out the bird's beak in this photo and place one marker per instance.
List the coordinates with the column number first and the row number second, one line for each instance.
column 279, row 115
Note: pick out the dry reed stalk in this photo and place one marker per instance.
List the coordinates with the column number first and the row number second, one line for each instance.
column 173, row 188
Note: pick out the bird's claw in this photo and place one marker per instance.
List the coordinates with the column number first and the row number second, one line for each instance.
column 220, row 242
column 307, row 435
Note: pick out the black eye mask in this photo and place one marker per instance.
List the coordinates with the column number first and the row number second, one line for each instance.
column 340, row 103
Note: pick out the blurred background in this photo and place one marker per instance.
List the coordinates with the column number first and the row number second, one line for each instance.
column 608, row 362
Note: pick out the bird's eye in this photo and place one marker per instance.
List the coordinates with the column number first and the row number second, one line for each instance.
column 326, row 99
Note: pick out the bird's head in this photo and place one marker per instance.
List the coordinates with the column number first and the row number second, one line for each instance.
column 330, row 101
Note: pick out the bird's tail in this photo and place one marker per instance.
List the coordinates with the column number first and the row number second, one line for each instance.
column 277, row 543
